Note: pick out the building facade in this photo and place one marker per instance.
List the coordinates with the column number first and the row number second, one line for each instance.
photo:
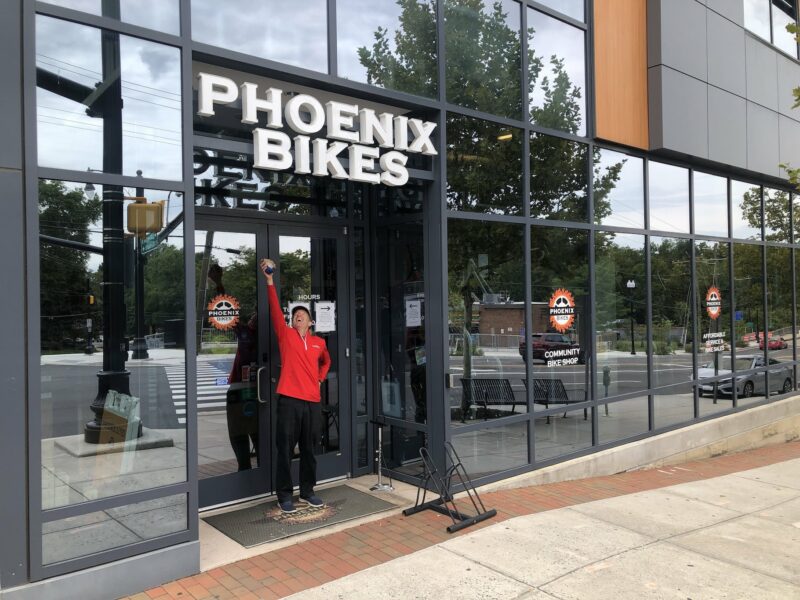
column 532, row 229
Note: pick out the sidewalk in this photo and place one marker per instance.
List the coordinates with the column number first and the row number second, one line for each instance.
column 725, row 527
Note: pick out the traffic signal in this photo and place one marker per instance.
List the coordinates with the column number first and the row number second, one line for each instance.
column 144, row 217
column 90, row 299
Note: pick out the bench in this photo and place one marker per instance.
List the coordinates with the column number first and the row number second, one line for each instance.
column 486, row 392
column 552, row 391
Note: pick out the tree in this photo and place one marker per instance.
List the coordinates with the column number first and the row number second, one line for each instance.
column 794, row 172
column 66, row 215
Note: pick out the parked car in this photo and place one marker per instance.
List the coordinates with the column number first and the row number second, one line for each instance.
column 774, row 343
column 542, row 343
column 780, row 376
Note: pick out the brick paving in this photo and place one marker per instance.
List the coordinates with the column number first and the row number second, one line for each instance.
column 282, row 572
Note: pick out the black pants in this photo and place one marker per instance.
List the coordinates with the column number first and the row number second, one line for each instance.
column 298, row 422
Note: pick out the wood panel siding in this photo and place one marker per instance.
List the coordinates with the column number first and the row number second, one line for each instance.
column 620, row 64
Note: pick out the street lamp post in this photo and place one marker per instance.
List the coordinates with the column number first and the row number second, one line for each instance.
column 631, row 285
column 139, row 342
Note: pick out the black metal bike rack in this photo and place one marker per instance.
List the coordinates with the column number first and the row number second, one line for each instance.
column 443, row 484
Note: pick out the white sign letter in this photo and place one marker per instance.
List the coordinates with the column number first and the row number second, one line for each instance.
column 339, row 116
column 371, row 127
column 251, row 104
column 401, row 133
column 363, row 157
column 326, row 160
column 422, row 137
column 213, row 89
column 313, row 107
column 394, row 168
column 302, row 155
column 268, row 144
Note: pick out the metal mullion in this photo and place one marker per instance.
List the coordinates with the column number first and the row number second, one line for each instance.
column 486, row 217
column 333, row 50
column 109, row 502
column 463, row 111
column 592, row 320
column 584, row 226
column 110, row 179
column 695, row 329
column 588, row 13
column 526, row 117
column 528, row 321
column 190, row 349
column 30, row 559
column 107, row 23
column 732, row 284
column 491, row 423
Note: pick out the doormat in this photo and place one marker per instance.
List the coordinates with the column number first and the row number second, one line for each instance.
column 265, row 522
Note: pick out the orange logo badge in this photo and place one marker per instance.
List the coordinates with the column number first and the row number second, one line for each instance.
column 223, row 312
column 714, row 302
column 562, row 310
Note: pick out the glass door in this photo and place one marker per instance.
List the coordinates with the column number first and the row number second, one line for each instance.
column 311, row 272
column 238, row 362
column 233, row 445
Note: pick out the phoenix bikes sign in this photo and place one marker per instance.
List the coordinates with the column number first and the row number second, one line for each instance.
column 357, row 133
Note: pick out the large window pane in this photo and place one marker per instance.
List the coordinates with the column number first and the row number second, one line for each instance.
column 133, row 128
column 618, row 189
column 710, row 205
column 746, row 210
column 560, row 339
column 389, row 44
column 561, row 434
column 162, row 15
column 748, row 289
column 713, row 310
column 134, row 409
column 780, row 335
column 295, row 33
column 776, row 215
column 94, row 532
column 484, row 166
column 556, row 73
column 756, row 17
column 401, row 360
column 669, row 197
column 482, row 45
column 673, row 405
column 486, row 316
column 784, row 13
column 494, row 449
column 559, row 178
column 625, row 419
column 571, row 8
column 671, row 266
column 621, row 313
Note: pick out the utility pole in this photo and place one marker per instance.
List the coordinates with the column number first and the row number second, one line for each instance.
column 139, row 343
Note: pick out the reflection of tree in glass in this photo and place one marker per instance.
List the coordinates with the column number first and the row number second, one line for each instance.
column 295, row 273
column 776, row 212
column 68, row 215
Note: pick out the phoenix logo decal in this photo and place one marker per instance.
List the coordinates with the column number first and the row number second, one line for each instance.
column 562, row 310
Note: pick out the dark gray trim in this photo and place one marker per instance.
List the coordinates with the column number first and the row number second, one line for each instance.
column 127, row 576
column 557, row 15
column 333, row 49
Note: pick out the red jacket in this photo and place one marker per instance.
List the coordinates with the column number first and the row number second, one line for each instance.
column 304, row 361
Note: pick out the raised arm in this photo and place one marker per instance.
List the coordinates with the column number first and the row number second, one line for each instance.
column 275, row 310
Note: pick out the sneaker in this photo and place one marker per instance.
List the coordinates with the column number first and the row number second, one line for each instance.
column 312, row 500
column 287, row 506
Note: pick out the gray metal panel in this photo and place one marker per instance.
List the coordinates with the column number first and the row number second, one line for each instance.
column 683, row 37
column 683, row 119
column 731, row 9
column 655, row 107
column 11, row 90
column 727, row 128
column 790, row 141
column 121, row 578
column 762, row 73
column 762, row 140
column 726, row 56
column 13, row 498
column 653, row 33
column 788, row 79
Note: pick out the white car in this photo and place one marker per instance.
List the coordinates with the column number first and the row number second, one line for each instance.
column 780, row 376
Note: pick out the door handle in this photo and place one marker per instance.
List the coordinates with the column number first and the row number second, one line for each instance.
column 258, row 386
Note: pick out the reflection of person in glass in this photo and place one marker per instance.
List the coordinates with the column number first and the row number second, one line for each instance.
column 241, row 402
column 304, row 365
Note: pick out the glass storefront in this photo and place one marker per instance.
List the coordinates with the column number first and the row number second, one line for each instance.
column 526, row 292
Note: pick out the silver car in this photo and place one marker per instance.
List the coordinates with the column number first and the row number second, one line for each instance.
column 780, row 376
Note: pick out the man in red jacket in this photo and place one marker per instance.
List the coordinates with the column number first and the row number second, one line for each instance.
column 304, row 365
